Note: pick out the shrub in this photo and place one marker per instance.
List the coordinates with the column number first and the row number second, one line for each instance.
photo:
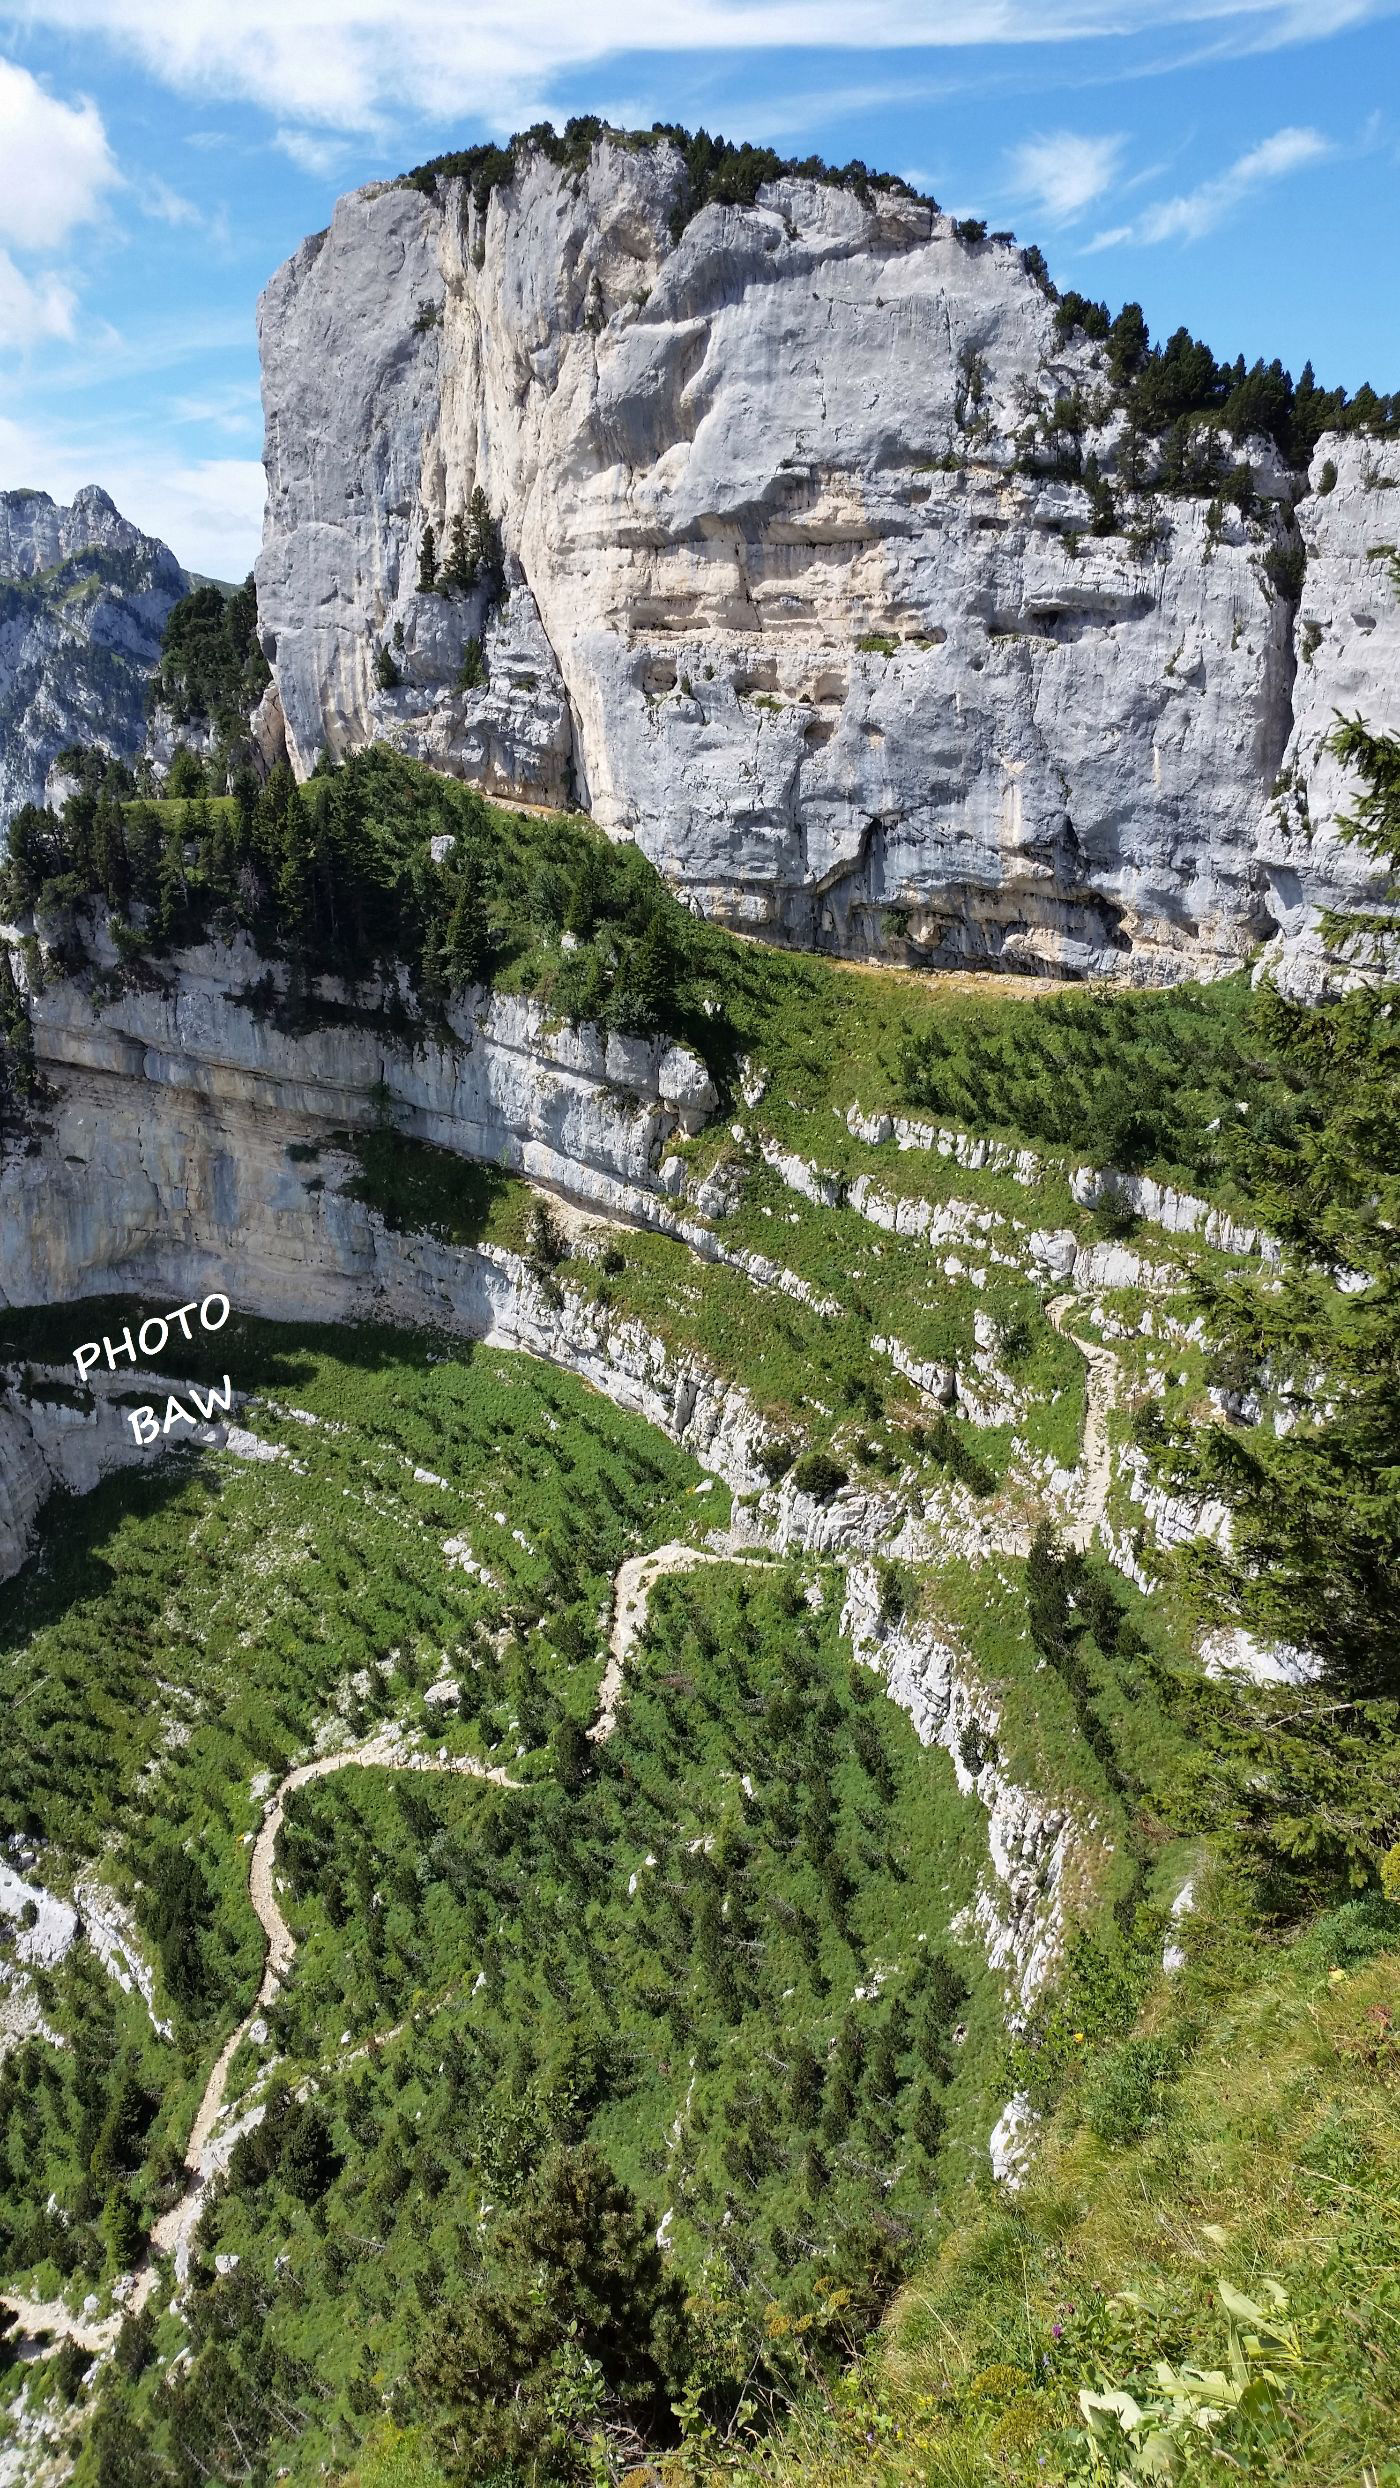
column 1284, row 566
column 547, row 1245
column 818, row 1475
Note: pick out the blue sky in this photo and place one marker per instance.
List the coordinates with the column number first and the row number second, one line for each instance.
column 1231, row 163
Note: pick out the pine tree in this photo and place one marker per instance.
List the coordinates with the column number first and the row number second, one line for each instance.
column 804, row 2085
column 31, row 858
column 884, row 2063
column 218, row 853
column 294, row 893
column 17, row 1075
column 928, row 2121
column 172, row 892
column 459, row 569
column 483, row 540
column 1315, row 1553
column 110, row 857
column 572, row 1754
column 576, row 2312
column 645, row 1000
column 466, row 943
column 143, row 847
column 427, row 563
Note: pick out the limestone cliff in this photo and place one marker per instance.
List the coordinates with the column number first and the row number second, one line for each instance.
column 787, row 600
column 172, row 1105
column 84, row 598
column 189, row 1143
column 1348, row 632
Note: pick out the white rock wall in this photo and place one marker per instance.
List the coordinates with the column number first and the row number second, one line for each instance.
column 586, row 1111
column 720, row 466
column 1348, row 637
column 164, row 1166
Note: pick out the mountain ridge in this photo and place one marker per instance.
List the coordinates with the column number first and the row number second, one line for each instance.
column 84, row 599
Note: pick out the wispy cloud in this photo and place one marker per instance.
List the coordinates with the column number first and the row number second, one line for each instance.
column 33, row 308
column 235, row 409
column 155, row 198
column 356, row 66
column 313, row 152
column 1194, row 213
column 1064, row 173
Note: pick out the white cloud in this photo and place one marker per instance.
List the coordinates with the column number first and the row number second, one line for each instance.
column 208, row 510
column 169, row 207
column 32, row 307
column 314, row 153
column 350, row 66
column 55, row 164
column 1195, row 213
column 1063, row 173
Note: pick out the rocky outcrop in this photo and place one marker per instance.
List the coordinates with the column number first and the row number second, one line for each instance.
column 47, row 1442
column 84, row 598
column 190, row 1143
column 1348, row 636
column 179, row 1099
column 848, row 670
column 1037, row 1848
column 55, row 1439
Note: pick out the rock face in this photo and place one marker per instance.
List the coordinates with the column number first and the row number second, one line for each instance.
column 1348, row 636
column 190, row 1145
column 784, row 603
column 84, row 598
column 584, row 1110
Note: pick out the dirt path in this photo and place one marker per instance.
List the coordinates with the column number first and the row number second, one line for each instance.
column 204, row 2156
column 632, row 1587
column 207, row 2154
column 1095, row 1471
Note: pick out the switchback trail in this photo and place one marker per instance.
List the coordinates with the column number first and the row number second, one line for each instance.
column 206, row 2156
column 1094, row 1474
column 632, row 1587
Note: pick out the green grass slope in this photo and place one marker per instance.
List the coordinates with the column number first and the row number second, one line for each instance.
column 630, row 2123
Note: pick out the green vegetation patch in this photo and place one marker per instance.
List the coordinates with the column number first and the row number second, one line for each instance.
column 212, row 669
column 1241, row 2145
column 712, row 1954
column 182, row 1632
